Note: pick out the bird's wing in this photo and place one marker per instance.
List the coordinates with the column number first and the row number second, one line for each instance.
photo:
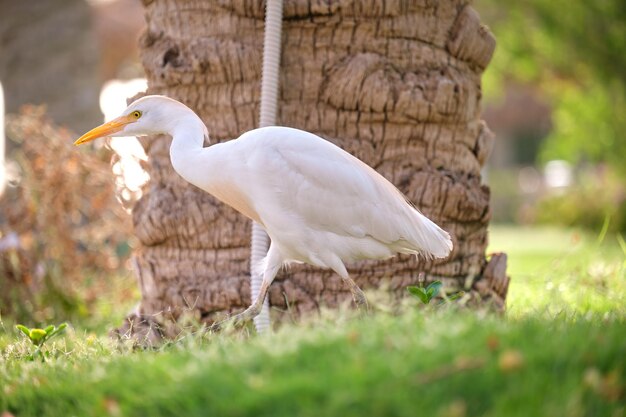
column 328, row 189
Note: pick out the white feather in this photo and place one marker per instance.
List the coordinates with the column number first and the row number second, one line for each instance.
column 316, row 200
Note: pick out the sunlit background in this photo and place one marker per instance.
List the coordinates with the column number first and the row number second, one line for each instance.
column 80, row 59
column 554, row 95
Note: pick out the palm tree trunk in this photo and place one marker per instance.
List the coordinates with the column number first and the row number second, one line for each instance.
column 397, row 84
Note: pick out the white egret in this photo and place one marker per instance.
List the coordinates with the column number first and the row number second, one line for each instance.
column 318, row 204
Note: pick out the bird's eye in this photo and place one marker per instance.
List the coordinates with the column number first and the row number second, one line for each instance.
column 136, row 114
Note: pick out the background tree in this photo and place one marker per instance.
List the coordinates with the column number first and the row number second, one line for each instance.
column 59, row 47
column 574, row 63
column 576, row 59
column 397, row 84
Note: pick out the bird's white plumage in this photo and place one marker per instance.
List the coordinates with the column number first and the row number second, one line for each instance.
column 315, row 199
column 318, row 203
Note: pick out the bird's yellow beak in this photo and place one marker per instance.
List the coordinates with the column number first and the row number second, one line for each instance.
column 106, row 129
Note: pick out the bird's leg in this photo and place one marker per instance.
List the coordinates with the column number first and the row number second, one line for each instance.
column 249, row 313
column 357, row 294
column 273, row 263
column 254, row 310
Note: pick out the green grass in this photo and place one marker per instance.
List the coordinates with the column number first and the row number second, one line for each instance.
column 555, row 271
column 561, row 351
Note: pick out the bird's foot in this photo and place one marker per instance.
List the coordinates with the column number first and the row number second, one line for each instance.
column 243, row 318
column 360, row 300
column 364, row 308
column 238, row 319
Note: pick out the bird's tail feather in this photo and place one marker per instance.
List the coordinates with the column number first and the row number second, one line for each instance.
column 426, row 238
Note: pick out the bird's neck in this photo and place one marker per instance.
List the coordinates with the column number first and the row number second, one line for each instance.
column 187, row 134
column 187, row 143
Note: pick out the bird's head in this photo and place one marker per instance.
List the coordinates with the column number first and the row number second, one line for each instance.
column 149, row 115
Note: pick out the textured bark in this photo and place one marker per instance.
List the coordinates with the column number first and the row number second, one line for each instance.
column 396, row 83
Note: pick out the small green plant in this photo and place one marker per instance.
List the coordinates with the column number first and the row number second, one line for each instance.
column 425, row 294
column 39, row 336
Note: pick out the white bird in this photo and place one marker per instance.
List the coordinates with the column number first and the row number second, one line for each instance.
column 318, row 204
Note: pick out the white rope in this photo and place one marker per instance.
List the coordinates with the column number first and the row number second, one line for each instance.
column 269, row 103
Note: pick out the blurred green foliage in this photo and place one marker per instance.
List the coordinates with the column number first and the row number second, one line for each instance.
column 575, row 52
column 596, row 200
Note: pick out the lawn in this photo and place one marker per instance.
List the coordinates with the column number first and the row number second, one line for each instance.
column 559, row 351
column 562, row 271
